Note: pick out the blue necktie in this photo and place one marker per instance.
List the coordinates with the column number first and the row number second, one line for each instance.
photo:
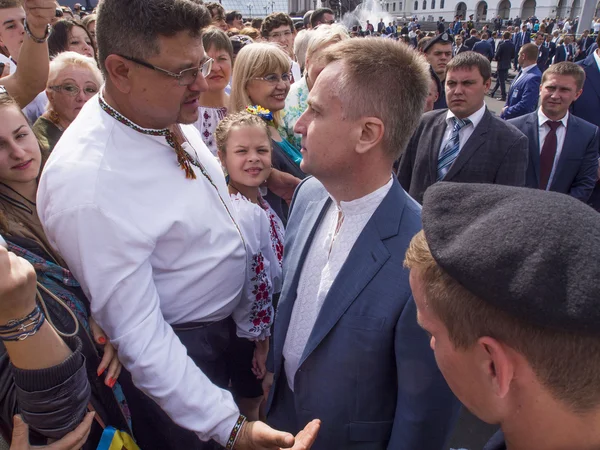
column 451, row 149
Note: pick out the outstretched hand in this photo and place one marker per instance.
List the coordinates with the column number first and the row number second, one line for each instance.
column 260, row 436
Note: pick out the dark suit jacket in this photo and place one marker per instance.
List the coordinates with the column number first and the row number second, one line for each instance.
column 505, row 54
column 523, row 95
column 592, row 49
column 367, row 370
column 577, row 166
column 463, row 48
column 551, row 52
column 520, row 39
column 496, row 442
column 495, row 153
column 543, row 55
column 484, row 48
column 587, row 106
column 470, row 43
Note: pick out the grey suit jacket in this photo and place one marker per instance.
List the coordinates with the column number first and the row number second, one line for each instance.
column 496, row 153
column 367, row 370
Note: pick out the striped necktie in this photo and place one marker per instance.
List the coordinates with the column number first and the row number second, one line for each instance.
column 451, row 148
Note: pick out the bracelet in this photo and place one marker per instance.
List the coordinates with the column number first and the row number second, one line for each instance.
column 235, row 432
column 35, row 39
column 12, row 324
column 37, row 324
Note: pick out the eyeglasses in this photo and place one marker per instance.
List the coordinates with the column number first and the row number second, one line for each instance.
column 72, row 90
column 185, row 77
column 279, row 35
column 274, row 79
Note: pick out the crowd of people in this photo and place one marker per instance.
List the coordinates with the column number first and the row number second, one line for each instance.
column 263, row 235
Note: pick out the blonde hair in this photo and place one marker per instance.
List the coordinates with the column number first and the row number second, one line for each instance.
column 325, row 35
column 300, row 46
column 240, row 119
column 250, row 31
column 66, row 60
column 256, row 60
column 72, row 59
column 572, row 377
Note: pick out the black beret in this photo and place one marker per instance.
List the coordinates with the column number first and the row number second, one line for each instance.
column 531, row 253
column 443, row 38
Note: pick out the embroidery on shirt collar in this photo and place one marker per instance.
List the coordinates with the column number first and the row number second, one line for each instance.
column 184, row 159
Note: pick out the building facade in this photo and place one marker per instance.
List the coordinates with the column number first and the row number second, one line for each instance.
column 484, row 10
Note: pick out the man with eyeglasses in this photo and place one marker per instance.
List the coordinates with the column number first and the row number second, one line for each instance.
column 322, row 16
column 138, row 207
column 279, row 29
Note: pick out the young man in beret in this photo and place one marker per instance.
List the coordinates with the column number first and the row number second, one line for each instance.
column 439, row 52
column 511, row 304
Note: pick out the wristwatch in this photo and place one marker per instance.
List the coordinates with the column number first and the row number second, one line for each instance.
column 35, row 39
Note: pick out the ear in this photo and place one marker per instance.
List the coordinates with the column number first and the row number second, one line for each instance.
column 119, row 72
column 371, row 134
column 487, row 84
column 578, row 94
column 50, row 94
column 498, row 364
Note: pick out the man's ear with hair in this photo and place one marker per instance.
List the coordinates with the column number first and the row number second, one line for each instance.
column 371, row 134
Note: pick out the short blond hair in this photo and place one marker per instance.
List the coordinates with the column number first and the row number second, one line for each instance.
column 385, row 79
column 256, row 60
column 73, row 59
column 325, row 35
column 566, row 363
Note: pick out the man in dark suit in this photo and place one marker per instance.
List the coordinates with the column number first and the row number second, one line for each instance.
column 346, row 346
column 551, row 46
column 504, row 56
column 563, row 149
column 564, row 51
column 474, row 37
column 520, row 39
column 483, row 47
column 587, row 106
column 380, row 26
column 543, row 51
column 458, row 46
column 583, row 44
column 506, row 283
column 466, row 142
column 492, row 40
column 524, row 91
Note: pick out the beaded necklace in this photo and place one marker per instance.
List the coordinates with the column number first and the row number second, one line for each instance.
column 184, row 159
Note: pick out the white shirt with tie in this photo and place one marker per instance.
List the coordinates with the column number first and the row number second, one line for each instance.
column 327, row 254
column 561, row 133
column 465, row 132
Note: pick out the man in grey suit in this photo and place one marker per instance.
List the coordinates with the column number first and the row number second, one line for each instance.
column 346, row 347
column 464, row 143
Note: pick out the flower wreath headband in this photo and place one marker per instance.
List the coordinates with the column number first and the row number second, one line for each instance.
column 261, row 112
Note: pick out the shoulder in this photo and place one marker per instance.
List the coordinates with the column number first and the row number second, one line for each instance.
column 504, row 129
column 310, row 189
column 519, row 122
column 583, row 125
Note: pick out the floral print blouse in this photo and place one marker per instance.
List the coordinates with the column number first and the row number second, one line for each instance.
column 295, row 105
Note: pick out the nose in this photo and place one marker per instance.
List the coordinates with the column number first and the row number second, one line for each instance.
column 300, row 127
column 200, row 84
column 16, row 152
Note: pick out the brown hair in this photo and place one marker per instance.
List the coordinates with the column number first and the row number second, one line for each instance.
column 59, row 38
column 6, row 4
column 566, row 364
column 276, row 20
column 530, row 51
column 240, row 119
column 216, row 10
column 568, row 69
column 370, row 64
column 249, row 31
column 134, row 31
column 467, row 60
column 217, row 38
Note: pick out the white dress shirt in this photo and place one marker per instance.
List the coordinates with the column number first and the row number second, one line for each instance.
column 150, row 248
column 465, row 132
column 327, row 254
column 523, row 71
column 561, row 133
column 597, row 57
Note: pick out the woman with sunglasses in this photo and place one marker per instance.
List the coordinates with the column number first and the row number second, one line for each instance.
column 261, row 77
column 72, row 81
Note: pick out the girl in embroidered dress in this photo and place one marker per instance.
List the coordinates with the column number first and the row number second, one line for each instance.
column 244, row 148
